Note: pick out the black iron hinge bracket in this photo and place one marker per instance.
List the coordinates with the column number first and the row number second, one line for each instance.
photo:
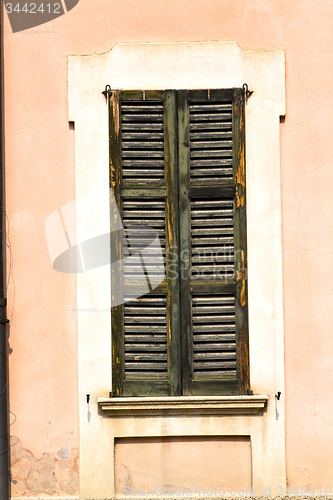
column 246, row 92
column 107, row 91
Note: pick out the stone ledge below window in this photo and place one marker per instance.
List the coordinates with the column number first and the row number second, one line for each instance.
column 190, row 405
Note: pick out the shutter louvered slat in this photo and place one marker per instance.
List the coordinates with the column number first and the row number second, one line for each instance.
column 140, row 107
column 210, row 106
column 221, row 135
column 142, row 127
column 214, row 337
column 136, row 215
column 212, row 237
column 145, row 118
column 210, row 117
column 213, row 319
column 139, row 347
column 208, row 162
column 145, row 340
column 210, row 141
column 210, row 153
column 216, row 346
column 208, row 144
column 212, row 173
column 143, row 136
column 210, row 355
column 214, row 328
column 146, row 354
column 142, row 147
column 194, row 127
column 145, row 334
column 138, row 238
column 144, row 143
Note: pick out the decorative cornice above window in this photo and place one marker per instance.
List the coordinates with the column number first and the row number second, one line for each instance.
column 196, row 405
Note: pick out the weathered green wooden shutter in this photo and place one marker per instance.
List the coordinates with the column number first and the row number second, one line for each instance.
column 143, row 173
column 213, row 242
column 177, row 165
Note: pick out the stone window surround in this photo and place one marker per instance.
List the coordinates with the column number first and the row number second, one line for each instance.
column 185, row 65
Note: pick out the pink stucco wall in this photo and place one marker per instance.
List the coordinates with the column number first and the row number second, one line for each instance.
column 40, row 178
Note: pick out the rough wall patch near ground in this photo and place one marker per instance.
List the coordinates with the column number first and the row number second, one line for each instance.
column 52, row 474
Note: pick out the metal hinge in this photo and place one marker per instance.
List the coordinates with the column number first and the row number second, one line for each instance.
column 246, row 92
column 107, row 91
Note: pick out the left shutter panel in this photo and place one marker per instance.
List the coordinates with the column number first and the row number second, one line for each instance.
column 143, row 178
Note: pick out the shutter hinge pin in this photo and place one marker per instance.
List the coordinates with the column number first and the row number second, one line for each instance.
column 247, row 93
column 107, row 91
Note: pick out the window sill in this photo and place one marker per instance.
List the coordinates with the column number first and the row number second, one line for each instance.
column 192, row 405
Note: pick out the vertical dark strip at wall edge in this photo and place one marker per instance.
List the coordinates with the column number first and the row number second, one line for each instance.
column 4, row 472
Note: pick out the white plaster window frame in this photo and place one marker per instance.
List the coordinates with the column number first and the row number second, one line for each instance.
column 192, row 65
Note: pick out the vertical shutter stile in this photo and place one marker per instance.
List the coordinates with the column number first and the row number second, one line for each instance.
column 117, row 322
column 241, row 306
column 172, row 254
column 185, row 242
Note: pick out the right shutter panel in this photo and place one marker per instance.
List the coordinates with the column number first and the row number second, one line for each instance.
column 212, row 242
column 144, row 327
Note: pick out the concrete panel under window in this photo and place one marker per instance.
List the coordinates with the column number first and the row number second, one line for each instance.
column 152, row 464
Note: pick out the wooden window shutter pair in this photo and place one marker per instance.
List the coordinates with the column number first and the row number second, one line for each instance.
column 177, row 170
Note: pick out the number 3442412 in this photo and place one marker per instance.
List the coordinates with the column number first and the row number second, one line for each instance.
column 32, row 8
